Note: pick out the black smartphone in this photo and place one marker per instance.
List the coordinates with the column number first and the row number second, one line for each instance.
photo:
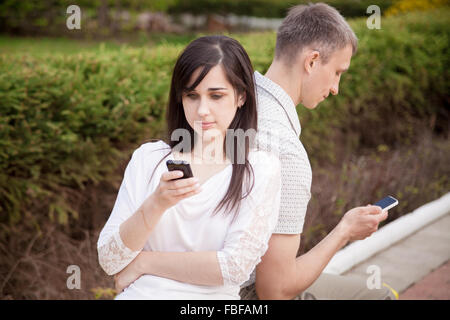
column 181, row 165
column 387, row 203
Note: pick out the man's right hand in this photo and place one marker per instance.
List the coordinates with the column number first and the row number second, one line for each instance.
column 360, row 222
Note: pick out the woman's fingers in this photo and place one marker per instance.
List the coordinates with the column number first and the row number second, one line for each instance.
column 183, row 183
column 178, row 188
column 116, row 284
column 183, row 191
column 171, row 184
column 170, row 175
column 191, row 193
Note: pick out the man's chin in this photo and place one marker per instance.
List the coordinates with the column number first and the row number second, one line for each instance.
column 312, row 106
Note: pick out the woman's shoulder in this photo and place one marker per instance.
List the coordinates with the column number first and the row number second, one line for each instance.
column 153, row 148
column 148, row 154
column 264, row 161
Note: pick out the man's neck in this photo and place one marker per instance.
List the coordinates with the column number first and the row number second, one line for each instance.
column 289, row 81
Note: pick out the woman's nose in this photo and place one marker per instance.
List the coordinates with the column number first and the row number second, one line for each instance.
column 203, row 108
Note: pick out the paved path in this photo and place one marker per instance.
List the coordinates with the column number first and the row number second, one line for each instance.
column 434, row 286
column 418, row 266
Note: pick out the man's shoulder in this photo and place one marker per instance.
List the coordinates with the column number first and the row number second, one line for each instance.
column 270, row 110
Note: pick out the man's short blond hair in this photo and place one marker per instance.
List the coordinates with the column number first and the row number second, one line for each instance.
column 316, row 26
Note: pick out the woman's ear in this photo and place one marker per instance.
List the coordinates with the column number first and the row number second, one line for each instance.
column 241, row 99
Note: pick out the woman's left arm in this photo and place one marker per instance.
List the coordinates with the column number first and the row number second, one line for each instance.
column 245, row 244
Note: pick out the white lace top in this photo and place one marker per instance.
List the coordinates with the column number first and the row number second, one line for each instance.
column 190, row 226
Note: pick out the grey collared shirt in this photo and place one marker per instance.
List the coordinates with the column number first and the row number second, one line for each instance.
column 279, row 132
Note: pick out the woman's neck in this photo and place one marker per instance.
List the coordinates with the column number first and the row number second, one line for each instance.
column 205, row 153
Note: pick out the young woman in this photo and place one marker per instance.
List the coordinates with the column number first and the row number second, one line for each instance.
column 199, row 237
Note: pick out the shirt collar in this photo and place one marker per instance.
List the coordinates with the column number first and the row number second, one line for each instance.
column 283, row 99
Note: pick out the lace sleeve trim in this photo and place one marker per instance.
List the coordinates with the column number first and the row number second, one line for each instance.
column 238, row 262
column 114, row 255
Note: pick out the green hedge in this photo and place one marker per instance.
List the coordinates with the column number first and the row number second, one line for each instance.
column 69, row 119
column 397, row 84
column 66, row 117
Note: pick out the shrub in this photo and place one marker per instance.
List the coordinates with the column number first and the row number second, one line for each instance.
column 67, row 118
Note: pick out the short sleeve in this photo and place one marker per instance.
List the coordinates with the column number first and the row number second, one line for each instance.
column 248, row 236
column 113, row 254
column 296, row 178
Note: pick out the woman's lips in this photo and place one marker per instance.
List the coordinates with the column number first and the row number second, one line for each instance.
column 207, row 125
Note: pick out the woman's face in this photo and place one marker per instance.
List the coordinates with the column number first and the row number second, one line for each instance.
column 211, row 106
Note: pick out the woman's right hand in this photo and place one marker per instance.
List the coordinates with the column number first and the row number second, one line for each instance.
column 169, row 192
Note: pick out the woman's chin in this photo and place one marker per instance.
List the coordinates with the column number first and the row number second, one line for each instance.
column 211, row 134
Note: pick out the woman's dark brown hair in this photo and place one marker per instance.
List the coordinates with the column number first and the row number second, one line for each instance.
column 206, row 53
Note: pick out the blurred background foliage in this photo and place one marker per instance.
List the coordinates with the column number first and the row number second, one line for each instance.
column 402, row 6
column 109, row 17
column 121, row 18
column 72, row 111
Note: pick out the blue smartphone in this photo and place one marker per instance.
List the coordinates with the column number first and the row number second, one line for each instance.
column 387, row 203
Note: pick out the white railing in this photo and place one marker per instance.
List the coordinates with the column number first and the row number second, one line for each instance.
column 389, row 234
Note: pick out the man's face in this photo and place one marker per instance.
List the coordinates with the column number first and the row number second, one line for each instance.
column 324, row 79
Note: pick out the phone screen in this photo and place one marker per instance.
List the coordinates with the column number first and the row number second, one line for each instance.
column 387, row 202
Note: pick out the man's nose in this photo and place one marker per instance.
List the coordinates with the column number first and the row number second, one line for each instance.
column 335, row 89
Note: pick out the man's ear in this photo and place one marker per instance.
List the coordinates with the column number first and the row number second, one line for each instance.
column 311, row 60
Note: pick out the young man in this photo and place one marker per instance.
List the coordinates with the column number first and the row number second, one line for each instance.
column 314, row 47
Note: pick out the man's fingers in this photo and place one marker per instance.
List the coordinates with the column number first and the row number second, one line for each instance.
column 372, row 209
column 383, row 215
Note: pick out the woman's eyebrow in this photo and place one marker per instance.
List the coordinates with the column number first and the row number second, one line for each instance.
column 215, row 89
